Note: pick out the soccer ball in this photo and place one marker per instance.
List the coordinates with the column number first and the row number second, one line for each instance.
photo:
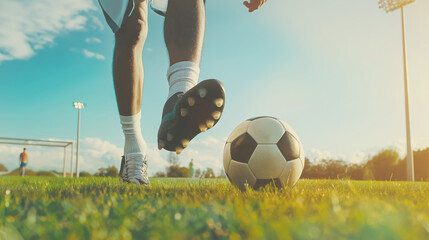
column 262, row 151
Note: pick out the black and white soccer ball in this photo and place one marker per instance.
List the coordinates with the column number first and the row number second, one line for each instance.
column 262, row 151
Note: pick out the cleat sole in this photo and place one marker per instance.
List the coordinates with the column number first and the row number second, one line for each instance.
column 197, row 111
column 170, row 137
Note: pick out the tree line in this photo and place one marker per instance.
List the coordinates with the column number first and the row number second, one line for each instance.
column 385, row 165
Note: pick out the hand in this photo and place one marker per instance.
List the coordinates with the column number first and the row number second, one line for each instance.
column 253, row 5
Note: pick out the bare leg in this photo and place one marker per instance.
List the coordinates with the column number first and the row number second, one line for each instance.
column 127, row 60
column 184, row 29
column 128, row 81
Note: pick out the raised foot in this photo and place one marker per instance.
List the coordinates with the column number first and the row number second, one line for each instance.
column 187, row 115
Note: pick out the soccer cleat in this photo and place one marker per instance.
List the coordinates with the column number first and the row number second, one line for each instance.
column 134, row 169
column 185, row 115
column 115, row 11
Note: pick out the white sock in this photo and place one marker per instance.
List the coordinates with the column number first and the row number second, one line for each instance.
column 134, row 142
column 182, row 76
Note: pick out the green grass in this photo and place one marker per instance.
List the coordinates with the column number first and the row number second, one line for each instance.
column 104, row 208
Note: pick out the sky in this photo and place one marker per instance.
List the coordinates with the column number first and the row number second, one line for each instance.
column 333, row 71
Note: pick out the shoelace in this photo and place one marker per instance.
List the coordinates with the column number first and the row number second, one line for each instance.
column 136, row 167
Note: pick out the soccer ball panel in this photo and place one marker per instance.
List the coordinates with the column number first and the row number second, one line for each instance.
column 292, row 172
column 266, row 130
column 226, row 156
column 267, row 162
column 242, row 148
column 241, row 129
column 240, row 175
column 289, row 146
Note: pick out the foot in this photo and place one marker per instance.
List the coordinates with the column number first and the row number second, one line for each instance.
column 134, row 169
column 186, row 115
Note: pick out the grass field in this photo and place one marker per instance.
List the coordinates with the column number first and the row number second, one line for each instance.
column 104, row 208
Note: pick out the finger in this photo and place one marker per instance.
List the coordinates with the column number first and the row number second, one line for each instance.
column 247, row 4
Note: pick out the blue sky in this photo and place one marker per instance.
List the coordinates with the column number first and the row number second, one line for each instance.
column 333, row 71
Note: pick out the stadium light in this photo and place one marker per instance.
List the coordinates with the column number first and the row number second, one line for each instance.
column 79, row 106
column 389, row 6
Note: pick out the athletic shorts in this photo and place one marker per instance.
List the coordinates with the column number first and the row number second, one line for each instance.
column 23, row 164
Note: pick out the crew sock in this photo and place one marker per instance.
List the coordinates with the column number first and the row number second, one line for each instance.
column 182, row 76
column 134, row 142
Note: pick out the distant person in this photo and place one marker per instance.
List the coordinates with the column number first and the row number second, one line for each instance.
column 191, row 107
column 23, row 160
column 191, row 168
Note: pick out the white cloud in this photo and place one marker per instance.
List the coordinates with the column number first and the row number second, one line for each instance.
column 31, row 25
column 92, row 40
column 89, row 54
column 97, row 24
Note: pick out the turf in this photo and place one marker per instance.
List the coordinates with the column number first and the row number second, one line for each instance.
column 104, row 208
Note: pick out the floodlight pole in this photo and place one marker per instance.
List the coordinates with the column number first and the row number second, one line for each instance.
column 79, row 106
column 410, row 160
column 391, row 5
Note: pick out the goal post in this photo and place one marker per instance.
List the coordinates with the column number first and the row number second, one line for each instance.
column 44, row 143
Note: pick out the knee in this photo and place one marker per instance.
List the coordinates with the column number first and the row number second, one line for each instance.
column 133, row 31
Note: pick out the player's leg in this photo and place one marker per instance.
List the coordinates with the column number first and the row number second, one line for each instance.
column 128, row 82
column 184, row 30
column 190, row 108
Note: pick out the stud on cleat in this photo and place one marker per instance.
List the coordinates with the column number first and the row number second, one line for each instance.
column 191, row 101
column 216, row 115
column 203, row 127
column 161, row 144
column 184, row 112
column 179, row 150
column 210, row 123
column 218, row 102
column 185, row 143
column 170, row 137
column 202, row 92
